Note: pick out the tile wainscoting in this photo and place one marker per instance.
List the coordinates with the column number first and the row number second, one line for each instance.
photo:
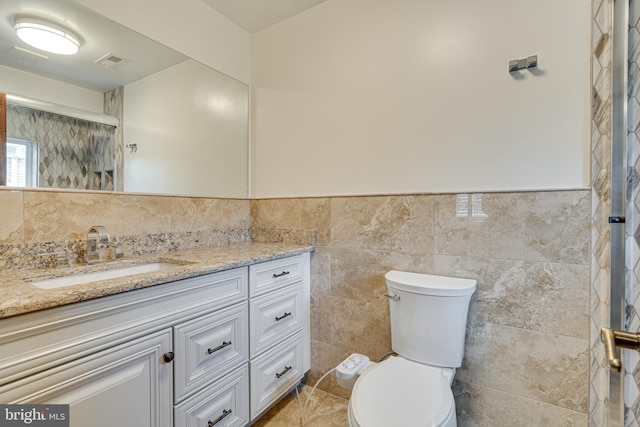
column 527, row 352
column 44, row 221
column 527, row 355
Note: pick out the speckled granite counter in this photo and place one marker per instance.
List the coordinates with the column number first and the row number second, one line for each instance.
column 19, row 296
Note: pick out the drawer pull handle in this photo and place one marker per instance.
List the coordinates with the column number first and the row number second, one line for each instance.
column 225, row 412
column 284, row 273
column 220, row 347
column 168, row 357
column 285, row 315
column 286, row 369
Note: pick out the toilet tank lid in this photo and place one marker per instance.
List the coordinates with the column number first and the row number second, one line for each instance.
column 429, row 284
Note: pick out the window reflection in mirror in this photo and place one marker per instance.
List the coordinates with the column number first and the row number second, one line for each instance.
column 22, row 163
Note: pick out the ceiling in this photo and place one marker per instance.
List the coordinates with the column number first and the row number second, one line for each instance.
column 99, row 37
column 102, row 37
column 255, row 15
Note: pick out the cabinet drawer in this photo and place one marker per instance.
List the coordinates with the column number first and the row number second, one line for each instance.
column 274, row 317
column 223, row 404
column 208, row 347
column 274, row 373
column 276, row 274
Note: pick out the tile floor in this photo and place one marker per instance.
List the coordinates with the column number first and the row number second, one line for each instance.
column 324, row 410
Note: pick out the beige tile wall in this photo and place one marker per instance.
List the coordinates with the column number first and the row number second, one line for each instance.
column 39, row 221
column 527, row 355
column 528, row 334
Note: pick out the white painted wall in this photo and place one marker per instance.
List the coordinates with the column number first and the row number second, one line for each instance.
column 379, row 96
column 189, row 26
column 190, row 119
column 33, row 86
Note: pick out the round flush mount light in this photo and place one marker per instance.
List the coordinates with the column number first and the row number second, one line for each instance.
column 47, row 36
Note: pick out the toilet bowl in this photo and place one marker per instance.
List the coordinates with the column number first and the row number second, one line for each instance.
column 428, row 321
column 399, row 392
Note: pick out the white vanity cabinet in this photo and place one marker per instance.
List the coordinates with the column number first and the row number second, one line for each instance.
column 279, row 305
column 177, row 354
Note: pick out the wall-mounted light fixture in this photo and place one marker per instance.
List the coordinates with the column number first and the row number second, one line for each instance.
column 47, row 36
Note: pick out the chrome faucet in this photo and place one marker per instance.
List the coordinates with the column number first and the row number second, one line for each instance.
column 97, row 234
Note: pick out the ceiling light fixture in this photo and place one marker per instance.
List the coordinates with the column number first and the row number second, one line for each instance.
column 46, row 35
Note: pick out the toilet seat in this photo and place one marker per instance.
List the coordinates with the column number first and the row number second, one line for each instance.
column 398, row 392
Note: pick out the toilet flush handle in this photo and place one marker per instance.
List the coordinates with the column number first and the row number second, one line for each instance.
column 393, row 297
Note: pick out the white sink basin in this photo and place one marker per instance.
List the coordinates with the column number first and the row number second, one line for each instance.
column 78, row 279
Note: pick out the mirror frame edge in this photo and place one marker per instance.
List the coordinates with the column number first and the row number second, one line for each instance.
column 3, row 139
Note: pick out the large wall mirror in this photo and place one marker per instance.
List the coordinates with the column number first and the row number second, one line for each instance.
column 124, row 113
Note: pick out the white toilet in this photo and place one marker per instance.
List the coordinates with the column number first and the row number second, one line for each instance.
column 428, row 322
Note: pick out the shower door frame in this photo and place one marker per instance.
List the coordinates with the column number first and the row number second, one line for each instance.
column 620, row 59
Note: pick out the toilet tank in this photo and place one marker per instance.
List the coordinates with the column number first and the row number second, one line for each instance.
column 429, row 319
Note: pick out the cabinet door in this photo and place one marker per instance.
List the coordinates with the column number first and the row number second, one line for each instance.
column 127, row 386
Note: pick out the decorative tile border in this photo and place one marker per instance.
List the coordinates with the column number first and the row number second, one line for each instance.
column 17, row 256
column 114, row 106
column 294, row 237
column 34, row 255
column 632, row 261
column 600, row 206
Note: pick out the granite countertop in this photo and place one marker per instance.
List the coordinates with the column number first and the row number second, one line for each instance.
column 19, row 296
